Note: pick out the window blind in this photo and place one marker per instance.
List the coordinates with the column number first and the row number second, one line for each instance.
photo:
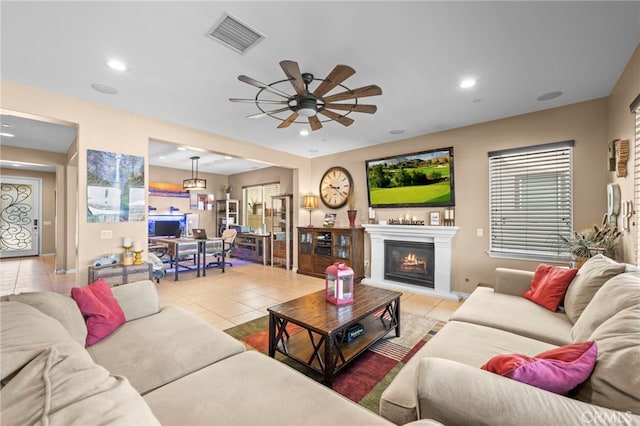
column 531, row 201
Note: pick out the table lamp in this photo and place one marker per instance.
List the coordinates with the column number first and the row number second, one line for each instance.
column 310, row 202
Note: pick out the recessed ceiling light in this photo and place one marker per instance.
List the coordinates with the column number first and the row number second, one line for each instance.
column 117, row 65
column 8, row 135
column 6, row 125
column 467, row 83
column 550, row 95
column 304, row 132
column 397, row 131
column 477, row 100
column 313, row 150
column 103, row 88
column 162, row 157
column 181, row 148
column 226, row 157
column 15, row 165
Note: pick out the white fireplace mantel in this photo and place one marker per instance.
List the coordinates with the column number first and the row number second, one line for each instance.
column 440, row 236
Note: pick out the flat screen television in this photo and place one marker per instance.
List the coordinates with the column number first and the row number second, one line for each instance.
column 420, row 179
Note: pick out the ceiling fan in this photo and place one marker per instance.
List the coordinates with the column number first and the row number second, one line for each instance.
column 306, row 103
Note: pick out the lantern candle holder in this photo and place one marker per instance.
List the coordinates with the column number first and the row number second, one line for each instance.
column 339, row 284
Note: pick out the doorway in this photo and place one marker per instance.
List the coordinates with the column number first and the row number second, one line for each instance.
column 20, row 216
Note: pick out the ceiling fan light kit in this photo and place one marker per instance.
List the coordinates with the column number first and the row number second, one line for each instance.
column 307, row 104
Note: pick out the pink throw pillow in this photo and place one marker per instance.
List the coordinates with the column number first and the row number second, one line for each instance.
column 548, row 286
column 557, row 370
column 100, row 309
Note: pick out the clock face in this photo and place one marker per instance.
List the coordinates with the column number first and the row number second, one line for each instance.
column 335, row 187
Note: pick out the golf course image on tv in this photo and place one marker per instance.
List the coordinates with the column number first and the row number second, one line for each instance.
column 420, row 179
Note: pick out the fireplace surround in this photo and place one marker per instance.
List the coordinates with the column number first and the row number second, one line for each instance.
column 440, row 236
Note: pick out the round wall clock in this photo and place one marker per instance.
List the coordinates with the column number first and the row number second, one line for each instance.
column 336, row 186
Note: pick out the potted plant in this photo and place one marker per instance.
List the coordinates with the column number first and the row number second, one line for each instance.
column 591, row 241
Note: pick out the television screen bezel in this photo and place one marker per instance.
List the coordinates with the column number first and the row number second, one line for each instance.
column 449, row 203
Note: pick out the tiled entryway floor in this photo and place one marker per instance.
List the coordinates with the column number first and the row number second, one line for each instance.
column 242, row 293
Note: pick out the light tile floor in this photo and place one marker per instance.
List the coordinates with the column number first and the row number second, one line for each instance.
column 242, row 293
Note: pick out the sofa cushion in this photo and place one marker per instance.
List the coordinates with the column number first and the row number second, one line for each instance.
column 101, row 310
column 515, row 314
column 617, row 294
column 25, row 332
column 615, row 382
column 596, row 271
column 137, row 299
column 557, row 370
column 275, row 394
column 64, row 389
column 58, row 306
column 548, row 286
column 470, row 344
column 157, row 349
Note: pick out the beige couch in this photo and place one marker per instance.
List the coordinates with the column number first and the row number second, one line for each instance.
column 163, row 366
column 443, row 380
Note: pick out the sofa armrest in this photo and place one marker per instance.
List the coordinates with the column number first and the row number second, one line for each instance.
column 512, row 281
column 138, row 299
column 454, row 393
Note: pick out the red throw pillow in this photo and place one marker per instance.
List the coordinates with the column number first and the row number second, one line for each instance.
column 557, row 370
column 100, row 309
column 548, row 286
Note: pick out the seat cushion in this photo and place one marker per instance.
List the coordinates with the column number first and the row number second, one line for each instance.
column 62, row 389
column 58, row 306
column 253, row 389
column 468, row 343
column 596, row 271
column 615, row 382
column 617, row 294
column 25, row 332
column 515, row 314
column 157, row 349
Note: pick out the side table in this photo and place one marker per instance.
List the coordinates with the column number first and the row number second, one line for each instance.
column 120, row 274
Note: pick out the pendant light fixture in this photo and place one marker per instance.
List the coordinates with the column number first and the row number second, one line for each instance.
column 194, row 184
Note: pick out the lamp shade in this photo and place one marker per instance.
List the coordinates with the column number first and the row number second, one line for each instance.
column 310, row 202
column 194, row 184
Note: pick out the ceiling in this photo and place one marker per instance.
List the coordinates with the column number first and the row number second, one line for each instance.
column 416, row 51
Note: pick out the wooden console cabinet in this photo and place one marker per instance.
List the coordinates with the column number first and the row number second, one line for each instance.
column 321, row 247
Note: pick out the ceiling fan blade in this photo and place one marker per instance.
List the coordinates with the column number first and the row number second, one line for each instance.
column 345, row 121
column 315, row 123
column 259, row 101
column 256, row 83
column 360, row 92
column 292, row 71
column 369, row 109
column 263, row 114
column 339, row 74
column 286, row 123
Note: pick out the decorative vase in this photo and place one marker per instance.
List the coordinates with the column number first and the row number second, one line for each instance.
column 228, row 194
column 351, row 214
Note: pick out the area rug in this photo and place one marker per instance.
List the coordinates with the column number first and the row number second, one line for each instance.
column 365, row 378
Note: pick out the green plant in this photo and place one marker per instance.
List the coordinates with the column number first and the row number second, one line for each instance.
column 594, row 240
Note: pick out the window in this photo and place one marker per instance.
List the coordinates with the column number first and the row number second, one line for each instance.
column 531, row 201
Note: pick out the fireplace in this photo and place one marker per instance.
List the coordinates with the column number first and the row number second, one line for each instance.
column 409, row 262
column 442, row 239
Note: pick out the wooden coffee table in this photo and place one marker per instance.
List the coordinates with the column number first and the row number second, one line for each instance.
column 323, row 344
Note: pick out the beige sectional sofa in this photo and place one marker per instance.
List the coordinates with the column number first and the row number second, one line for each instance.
column 443, row 380
column 163, row 366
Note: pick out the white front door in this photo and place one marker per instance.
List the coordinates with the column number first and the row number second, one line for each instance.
column 19, row 216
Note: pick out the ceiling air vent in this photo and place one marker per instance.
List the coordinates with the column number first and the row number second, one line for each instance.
column 234, row 34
